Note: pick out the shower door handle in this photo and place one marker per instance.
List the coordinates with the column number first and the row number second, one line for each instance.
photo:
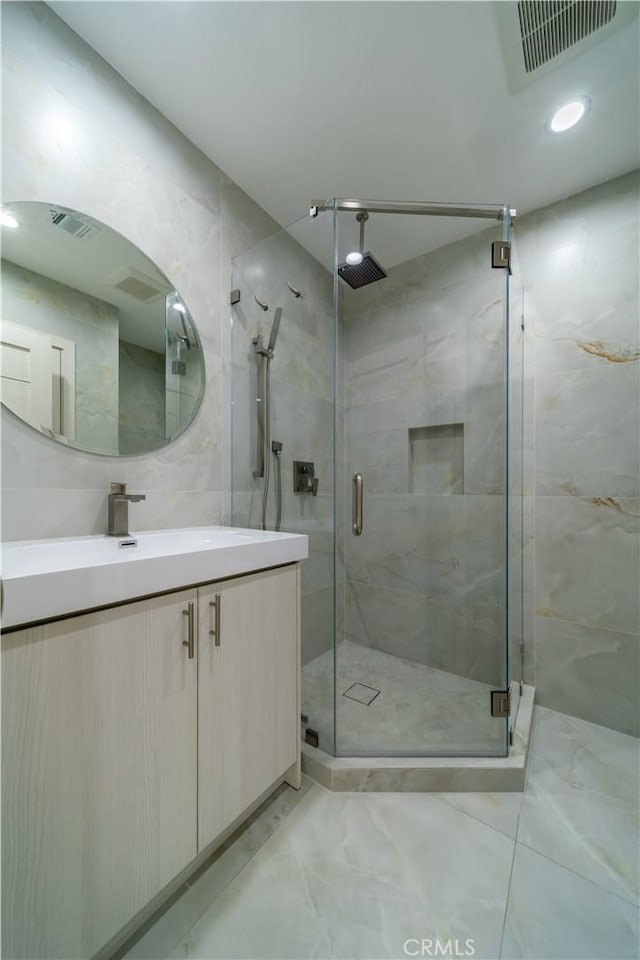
column 358, row 492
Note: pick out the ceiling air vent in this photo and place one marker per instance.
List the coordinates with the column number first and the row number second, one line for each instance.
column 549, row 27
column 78, row 227
column 540, row 36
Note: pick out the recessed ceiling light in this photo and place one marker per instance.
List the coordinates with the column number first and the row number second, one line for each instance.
column 568, row 115
column 354, row 258
column 7, row 220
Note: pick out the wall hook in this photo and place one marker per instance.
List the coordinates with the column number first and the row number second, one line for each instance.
column 261, row 304
column 294, row 290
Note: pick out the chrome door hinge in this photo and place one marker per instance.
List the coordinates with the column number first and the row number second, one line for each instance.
column 500, row 703
column 501, row 254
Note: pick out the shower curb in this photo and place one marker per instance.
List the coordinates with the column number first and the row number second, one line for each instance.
column 428, row 774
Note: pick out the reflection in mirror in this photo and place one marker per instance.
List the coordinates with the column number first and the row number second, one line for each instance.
column 98, row 351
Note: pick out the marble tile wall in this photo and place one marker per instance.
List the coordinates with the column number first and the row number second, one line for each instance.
column 579, row 281
column 424, row 361
column 425, row 582
column 76, row 133
column 134, row 171
column 142, row 398
column 301, row 375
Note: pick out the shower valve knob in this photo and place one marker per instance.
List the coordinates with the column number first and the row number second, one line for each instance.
column 304, row 480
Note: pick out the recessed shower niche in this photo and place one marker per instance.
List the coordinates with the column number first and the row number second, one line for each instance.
column 436, row 459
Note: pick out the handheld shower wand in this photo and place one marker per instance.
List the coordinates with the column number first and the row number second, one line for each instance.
column 265, row 355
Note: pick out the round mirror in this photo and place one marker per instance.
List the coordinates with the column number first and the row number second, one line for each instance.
column 98, row 350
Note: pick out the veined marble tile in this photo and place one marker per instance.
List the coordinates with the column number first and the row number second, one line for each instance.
column 442, row 632
column 303, row 358
column 553, row 914
column 588, row 432
column 588, row 672
column 520, row 587
column 268, row 264
column 416, row 408
column 317, row 570
column 347, row 878
column 436, row 773
column 437, row 545
column 43, row 42
column 317, row 623
column 207, row 884
column 447, row 549
column 485, row 439
column 84, row 512
column 588, row 561
column 412, row 715
column 498, row 810
column 379, row 448
column 245, row 223
column 103, row 176
column 581, row 802
column 577, row 218
column 394, row 370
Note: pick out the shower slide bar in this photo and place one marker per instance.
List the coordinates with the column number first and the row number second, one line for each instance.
column 497, row 212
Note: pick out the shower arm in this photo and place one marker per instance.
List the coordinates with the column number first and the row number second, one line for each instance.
column 362, row 218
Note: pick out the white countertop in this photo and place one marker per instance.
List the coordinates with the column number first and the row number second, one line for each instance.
column 42, row 579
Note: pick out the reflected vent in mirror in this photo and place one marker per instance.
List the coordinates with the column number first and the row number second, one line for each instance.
column 136, row 284
column 77, row 227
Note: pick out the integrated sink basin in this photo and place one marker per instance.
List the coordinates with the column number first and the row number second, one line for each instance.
column 42, row 579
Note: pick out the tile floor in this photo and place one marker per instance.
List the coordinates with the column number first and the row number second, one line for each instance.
column 551, row 873
column 418, row 711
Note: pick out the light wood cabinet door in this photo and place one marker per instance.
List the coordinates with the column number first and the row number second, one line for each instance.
column 99, row 767
column 248, row 724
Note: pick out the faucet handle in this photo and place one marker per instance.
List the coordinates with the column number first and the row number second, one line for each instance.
column 118, row 488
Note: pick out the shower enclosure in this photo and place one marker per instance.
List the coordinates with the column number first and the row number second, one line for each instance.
column 388, row 400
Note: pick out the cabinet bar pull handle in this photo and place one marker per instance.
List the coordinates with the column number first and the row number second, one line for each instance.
column 215, row 632
column 190, row 642
column 356, row 525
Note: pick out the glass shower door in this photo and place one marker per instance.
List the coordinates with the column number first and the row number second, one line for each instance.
column 422, row 414
column 282, row 317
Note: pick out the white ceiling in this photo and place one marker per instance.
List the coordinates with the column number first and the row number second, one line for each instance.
column 385, row 100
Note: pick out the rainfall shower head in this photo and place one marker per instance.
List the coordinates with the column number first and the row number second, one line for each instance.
column 359, row 275
column 361, row 268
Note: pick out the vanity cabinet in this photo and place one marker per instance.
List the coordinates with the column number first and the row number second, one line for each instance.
column 247, row 685
column 98, row 773
column 116, row 734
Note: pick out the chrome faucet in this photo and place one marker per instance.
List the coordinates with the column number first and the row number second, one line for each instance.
column 119, row 509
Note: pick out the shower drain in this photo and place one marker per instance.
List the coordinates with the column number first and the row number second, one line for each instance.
column 361, row 692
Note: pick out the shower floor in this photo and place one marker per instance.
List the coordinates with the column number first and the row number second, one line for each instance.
column 419, row 711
